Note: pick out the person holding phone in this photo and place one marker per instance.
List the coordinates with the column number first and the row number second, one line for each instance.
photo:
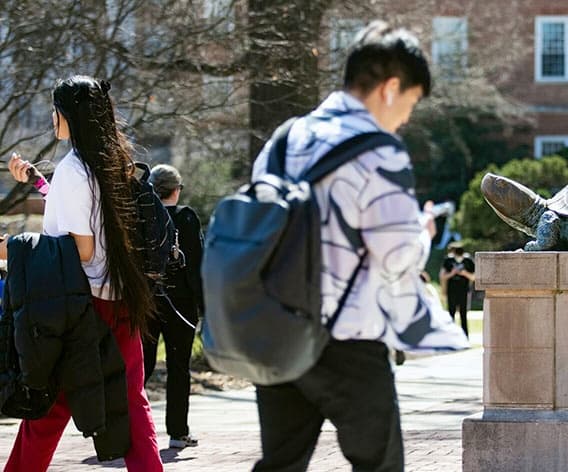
column 90, row 199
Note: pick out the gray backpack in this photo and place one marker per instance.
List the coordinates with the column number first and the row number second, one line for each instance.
column 261, row 269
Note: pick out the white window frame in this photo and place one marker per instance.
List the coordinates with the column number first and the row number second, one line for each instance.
column 540, row 140
column 215, row 10
column 462, row 39
column 539, row 21
column 210, row 83
column 5, row 58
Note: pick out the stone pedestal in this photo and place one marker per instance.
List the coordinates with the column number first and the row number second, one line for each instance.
column 524, row 425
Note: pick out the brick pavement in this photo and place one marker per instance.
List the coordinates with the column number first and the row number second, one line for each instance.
column 435, row 394
column 234, row 452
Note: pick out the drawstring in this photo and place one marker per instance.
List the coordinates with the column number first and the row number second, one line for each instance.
column 163, row 294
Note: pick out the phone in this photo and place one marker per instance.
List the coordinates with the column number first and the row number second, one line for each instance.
column 443, row 209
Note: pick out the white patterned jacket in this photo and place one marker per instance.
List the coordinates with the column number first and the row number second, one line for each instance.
column 369, row 202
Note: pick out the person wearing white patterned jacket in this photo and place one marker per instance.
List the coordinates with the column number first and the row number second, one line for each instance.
column 368, row 209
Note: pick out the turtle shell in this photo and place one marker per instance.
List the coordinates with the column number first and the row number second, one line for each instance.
column 559, row 202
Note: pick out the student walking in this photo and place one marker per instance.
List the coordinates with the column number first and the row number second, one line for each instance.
column 89, row 198
column 369, row 212
column 179, row 304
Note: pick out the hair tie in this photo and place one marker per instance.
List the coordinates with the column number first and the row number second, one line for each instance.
column 105, row 86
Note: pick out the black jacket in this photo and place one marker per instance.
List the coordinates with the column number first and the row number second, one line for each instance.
column 61, row 343
column 185, row 282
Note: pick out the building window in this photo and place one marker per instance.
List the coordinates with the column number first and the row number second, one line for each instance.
column 449, row 46
column 217, row 91
column 551, row 48
column 549, row 145
column 342, row 34
column 220, row 13
column 5, row 55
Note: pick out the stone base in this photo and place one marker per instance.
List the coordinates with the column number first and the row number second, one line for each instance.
column 516, row 441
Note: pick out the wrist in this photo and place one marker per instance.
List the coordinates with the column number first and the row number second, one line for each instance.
column 39, row 182
column 41, row 185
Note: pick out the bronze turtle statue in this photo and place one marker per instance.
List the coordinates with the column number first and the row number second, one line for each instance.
column 546, row 220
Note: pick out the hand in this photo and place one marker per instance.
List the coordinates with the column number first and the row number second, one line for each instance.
column 4, row 246
column 22, row 170
column 429, row 222
column 18, row 168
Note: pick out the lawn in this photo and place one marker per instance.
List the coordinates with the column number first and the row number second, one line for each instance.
column 196, row 352
column 475, row 327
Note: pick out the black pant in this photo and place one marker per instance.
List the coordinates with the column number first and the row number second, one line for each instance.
column 353, row 386
column 457, row 297
column 178, row 339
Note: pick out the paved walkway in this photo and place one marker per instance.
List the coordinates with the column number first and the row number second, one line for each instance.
column 435, row 394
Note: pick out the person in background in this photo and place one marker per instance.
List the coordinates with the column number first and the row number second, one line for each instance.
column 456, row 274
column 90, row 199
column 181, row 303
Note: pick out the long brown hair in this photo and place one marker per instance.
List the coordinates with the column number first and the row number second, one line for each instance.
column 106, row 154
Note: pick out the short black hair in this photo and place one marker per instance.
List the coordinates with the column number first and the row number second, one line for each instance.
column 459, row 251
column 379, row 53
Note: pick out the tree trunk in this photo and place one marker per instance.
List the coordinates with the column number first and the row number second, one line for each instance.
column 284, row 66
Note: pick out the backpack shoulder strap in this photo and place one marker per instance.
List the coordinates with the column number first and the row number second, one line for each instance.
column 145, row 170
column 179, row 209
column 341, row 303
column 347, row 150
column 184, row 211
column 277, row 155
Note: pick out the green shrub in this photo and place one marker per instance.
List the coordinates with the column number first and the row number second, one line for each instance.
column 479, row 225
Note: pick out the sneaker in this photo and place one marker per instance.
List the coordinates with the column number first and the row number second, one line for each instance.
column 184, row 441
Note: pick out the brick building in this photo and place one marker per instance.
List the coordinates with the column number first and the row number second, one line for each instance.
column 521, row 46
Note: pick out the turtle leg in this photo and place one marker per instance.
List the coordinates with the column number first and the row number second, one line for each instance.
column 547, row 233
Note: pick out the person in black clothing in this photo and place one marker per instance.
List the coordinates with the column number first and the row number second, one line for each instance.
column 184, row 295
column 456, row 274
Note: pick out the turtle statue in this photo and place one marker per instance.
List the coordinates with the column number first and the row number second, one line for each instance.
column 520, row 207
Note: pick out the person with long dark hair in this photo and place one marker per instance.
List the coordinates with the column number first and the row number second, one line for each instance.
column 90, row 199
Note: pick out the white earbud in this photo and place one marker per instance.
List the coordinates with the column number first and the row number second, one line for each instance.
column 389, row 99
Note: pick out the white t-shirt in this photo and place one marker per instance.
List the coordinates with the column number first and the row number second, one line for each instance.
column 68, row 210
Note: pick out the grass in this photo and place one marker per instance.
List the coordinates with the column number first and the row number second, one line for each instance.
column 196, row 351
column 475, row 327
column 161, row 356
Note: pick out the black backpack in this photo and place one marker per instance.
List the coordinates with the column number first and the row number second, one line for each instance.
column 178, row 275
column 261, row 270
column 155, row 238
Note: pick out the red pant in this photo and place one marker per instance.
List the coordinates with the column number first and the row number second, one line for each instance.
column 37, row 439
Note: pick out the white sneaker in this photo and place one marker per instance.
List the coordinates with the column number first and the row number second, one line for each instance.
column 184, row 441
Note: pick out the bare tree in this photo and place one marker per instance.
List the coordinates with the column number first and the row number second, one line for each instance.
column 206, row 81
column 151, row 52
